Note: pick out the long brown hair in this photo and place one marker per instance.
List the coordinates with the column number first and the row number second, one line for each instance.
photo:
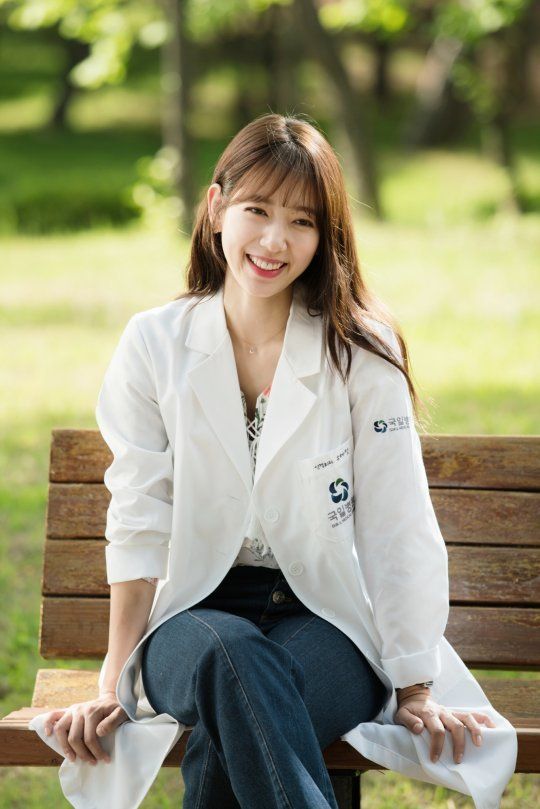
column 287, row 152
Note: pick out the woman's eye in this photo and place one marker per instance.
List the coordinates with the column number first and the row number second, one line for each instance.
column 260, row 210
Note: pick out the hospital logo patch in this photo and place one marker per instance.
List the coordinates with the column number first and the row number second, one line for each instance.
column 339, row 490
column 392, row 424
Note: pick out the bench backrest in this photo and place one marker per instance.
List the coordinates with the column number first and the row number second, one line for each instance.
column 486, row 495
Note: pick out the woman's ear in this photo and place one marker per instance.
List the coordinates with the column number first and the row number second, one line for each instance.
column 214, row 198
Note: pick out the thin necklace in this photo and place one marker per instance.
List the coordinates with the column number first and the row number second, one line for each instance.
column 252, row 349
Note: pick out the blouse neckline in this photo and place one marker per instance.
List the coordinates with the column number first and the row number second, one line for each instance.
column 254, row 425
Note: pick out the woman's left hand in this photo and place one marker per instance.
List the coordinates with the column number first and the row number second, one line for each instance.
column 419, row 710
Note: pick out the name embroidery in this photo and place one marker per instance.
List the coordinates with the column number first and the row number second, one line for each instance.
column 331, row 460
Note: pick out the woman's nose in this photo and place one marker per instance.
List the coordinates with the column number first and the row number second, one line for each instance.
column 273, row 239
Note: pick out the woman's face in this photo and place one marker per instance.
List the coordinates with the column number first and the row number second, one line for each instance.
column 270, row 234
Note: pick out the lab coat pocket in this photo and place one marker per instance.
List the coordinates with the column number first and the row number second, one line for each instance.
column 328, row 491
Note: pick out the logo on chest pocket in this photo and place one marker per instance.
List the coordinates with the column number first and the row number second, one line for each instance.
column 339, row 490
column 329, row 492
column 343, row 504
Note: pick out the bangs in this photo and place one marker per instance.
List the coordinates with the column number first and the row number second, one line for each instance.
column 295, row 186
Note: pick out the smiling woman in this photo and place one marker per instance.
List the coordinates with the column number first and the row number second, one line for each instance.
column 289, row 242
column 304, row 596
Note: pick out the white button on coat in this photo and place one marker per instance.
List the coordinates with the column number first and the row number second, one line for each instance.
column 343, row 463
column 296, row 568
column 271, row 514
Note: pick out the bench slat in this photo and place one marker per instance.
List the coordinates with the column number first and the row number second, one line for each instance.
column 20, row 746
column 477, row 575
column 494, row 575
column 58, row 687
column 79, row 510
column 76, row 510
column 482, row 461
column 484, row 637
column 494, row 637
column 78, row 456
column 481, row 517
column 518, row 698
column 476, row 461
column 75, row 567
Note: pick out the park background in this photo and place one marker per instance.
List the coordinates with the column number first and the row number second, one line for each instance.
column 112, row 115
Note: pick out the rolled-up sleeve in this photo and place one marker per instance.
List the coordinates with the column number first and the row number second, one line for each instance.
column 140, row 477
column 400, row 548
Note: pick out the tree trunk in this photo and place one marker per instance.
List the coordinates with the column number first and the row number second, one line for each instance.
column 439, row 117
column 176, row 81
column 281, row 45
column 506, row 69
column 381, row 84
column 351, row 106
column 75, row 52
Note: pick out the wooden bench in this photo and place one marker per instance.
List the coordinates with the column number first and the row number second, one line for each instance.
column 485, row 490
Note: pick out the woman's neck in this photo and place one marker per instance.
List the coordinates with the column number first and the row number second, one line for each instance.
column 254, row 319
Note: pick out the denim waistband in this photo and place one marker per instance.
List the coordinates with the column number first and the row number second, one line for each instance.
column 258, row 572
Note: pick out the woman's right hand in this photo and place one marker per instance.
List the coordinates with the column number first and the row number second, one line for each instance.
column 78, row 727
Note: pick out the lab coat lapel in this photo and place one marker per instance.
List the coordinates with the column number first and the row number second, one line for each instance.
column 290, row 399
column 215, row 382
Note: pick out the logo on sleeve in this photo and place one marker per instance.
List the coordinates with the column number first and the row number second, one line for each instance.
column 391, row 424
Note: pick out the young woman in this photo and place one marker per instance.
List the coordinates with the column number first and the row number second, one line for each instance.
column 267, row 475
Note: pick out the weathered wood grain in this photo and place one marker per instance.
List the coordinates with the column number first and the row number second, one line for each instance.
column 76, row 567
column 79, row 511
column 470, row 461
column 484, row 637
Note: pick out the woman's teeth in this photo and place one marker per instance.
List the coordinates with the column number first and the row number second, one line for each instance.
column 264, row 265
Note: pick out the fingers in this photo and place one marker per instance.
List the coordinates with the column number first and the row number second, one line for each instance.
column 485, row 719
column 76, row 738
column 471, row 720
column 52, row 718
column 437, row 720
column 76, row 730
column 433, row 723
column 90, row 737
column 111, row 722
column 423, row 715
column 85, row 742
column 457, row 729
column 61, row 730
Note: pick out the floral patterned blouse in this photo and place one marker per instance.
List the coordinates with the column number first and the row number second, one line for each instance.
column 255, row 550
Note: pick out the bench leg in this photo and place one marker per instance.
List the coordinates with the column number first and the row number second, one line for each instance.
column 347, row 788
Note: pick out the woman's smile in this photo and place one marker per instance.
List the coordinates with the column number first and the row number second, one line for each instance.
column 259, row 268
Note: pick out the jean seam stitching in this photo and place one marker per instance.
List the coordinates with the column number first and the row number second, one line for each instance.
column 203, row 776
column 261, row 734
column 300, row 628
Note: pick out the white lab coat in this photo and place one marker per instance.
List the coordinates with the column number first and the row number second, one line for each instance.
column 374, row 563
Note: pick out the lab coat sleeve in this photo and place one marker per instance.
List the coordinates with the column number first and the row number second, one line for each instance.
column 400, row 548
column 139, row 516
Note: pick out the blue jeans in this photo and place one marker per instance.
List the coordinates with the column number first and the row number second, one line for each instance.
column 267, row 685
